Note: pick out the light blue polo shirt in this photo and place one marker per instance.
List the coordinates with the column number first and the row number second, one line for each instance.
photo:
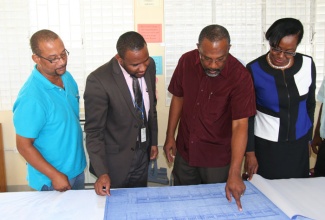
column 321, row 98
column 50, row 114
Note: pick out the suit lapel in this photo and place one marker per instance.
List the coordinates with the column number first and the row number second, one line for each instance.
column 121, row 83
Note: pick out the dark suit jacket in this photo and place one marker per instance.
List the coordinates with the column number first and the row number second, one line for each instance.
column 111, row 123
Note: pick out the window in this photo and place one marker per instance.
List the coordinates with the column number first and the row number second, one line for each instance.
column 88, row 28
column 247, row 22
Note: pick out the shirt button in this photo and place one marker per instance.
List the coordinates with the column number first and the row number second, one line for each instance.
column 198, row 103
column 192, row 142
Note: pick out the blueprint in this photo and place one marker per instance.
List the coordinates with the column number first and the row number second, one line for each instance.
column 206, row 201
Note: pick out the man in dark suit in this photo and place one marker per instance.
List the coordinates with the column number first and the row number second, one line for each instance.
column 121, row 117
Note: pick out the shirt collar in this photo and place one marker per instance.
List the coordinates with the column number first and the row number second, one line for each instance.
column 125, row 73
column 43, row 80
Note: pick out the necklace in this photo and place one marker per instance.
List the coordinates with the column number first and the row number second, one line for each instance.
column 277, row 67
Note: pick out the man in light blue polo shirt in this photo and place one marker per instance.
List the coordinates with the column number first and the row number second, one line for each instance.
column 46, row 119
column 319, row 135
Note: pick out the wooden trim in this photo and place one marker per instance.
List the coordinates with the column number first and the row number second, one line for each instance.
column 3, row 184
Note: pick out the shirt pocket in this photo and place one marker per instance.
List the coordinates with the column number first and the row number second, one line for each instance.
column 216, row 107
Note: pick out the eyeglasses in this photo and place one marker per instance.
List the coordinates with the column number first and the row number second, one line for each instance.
column 278, row 51
column 62, row 56
column 210, row 60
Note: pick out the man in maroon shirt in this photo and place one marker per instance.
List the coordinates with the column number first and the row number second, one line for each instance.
column 213, row 97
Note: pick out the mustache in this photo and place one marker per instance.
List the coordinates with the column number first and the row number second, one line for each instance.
column 64, row 65
column 216, row 72
column 55, row 71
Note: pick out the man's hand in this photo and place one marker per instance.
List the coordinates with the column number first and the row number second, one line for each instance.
column 154, row 152
column 317, row 141
column 251, row 164
column 103, row 185
column 235, row 187
column 60, row 182
column 170, row 149
column 26, row 148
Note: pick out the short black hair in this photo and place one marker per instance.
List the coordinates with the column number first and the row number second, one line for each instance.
column 41, row 35
column 282, row 28
column 129, row 41
column 214, row 32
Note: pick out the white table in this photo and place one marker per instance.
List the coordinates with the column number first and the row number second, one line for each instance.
column 72, row 204
column 292, row 196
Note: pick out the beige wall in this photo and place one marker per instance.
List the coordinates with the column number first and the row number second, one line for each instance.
column 14, row 162
column 154, row 14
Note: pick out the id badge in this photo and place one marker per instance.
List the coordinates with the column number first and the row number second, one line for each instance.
column 143, row 135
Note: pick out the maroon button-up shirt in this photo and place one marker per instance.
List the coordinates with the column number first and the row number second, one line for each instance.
column 209, row 106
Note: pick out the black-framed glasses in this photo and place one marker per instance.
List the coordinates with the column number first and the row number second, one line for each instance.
column 210, row 60
column 56, row 59
column 278, row 51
